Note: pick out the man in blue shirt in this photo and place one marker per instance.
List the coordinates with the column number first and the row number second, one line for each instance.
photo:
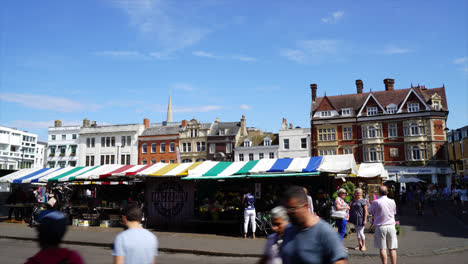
column 309, row 239
column 136, row 244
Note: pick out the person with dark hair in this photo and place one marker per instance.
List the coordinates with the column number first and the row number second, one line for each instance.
column 309, row 239
column 51, row 229
column 248, row 200
column 136, row 244
column 384, row 211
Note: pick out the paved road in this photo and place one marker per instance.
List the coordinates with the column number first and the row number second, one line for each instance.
column 16, row 251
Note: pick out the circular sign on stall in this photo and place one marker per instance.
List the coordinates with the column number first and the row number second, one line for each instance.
column 170, row 198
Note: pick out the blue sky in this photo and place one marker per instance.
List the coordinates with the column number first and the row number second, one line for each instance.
column 116, row 61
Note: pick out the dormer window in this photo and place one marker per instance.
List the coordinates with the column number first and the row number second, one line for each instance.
column 436, row 102
column 247, row 143
column 436, row 105
column 221, row 132
column 325, row 113
column 391, row 108
column 346, row 111
column 371, row 111
column 267, row 141
column 413, row 107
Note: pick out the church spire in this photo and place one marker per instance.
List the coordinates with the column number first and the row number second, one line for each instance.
column 169, row 110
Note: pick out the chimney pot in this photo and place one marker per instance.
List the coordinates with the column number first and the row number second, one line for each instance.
column 313, row 87
column 389, row 84
column 86, row 122
column 359, row 86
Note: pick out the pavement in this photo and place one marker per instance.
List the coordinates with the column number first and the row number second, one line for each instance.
column 420, row 236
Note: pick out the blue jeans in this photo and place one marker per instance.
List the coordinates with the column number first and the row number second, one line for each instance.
column 341, row 224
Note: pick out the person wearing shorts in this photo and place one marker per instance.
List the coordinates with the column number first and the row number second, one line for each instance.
column 384, row 210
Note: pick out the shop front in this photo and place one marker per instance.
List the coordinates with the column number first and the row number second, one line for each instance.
column 429, row 174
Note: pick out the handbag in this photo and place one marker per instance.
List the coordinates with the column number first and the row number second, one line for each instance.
column 337, row 214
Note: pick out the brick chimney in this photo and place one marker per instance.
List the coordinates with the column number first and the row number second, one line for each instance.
column 86, row 122
column 184, row 123
column 359, row 86
column 290, row 126
column 389, row 84
column 284, row 124
column 243, row 126
column 58, row 123
column 146, row 122
column 313, row 87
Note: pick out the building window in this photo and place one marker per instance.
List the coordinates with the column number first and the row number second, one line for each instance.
column 189, row 147
column 436, row 105
column 373, row 154
column 186, row 161
column 327, row 134
column 129, row 141
column 324, row 152
column 241, row 157
column 171, row 161
column 260, row 156
column 172, row 147
column 251, row 156
column 122, row 141
column 103, row 142
column 107, row 159
column 153, row 161
column 88, row 143
column 64, row 137
column 347, row 151
column 392, row 130
column 102, row 159
column 93, row 142
column 73, row 136
column 372, row 132
column 414, row 129
column 347, row 134
column 286, row 143
column 198, row 146
column 143, row 162
column 153, row 147
column 113, row 141
column 128, row 157
column 416, row 153
column 62, row 164
column 163, row 161
column 247, row 143
column 162, row 147
column 143, row 148
column 391, row 109
column 112, row 159
column 228, row 147
column 221, row 132
column 371, row 111
column 393, row 152
column 52, row 137
column 92, row 161
column 325, row 113
column 87, row 160
column 346, row 112
column 122, row 159
column 303, row 143
column 413, row 107
column 267, row 142
column 271, row 155
column 212, row 148
column 108, row 141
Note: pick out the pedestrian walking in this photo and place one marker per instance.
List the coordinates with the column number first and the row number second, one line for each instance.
column 341, row 205
column 279, row 221
column 431, row 197
column 51, row 229
column 135, row 245
column 309, row 239
column 358, row 217
column 248, row 200
column 309, row 201
column 419, row 198
column 384, row 209
column 463, row 197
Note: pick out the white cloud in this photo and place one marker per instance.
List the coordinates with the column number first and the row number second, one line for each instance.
column 334, row 17
column 44, row 102
column 462, row 60
column 203, row 54
column 245, row 107
column 122, row 54
column 308, row 50
column 183, row 86
column 390, row 50
column 243, row 58
column 168, row 27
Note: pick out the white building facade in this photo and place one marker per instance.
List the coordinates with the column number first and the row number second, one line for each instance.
column 63, row 143
column 263, row 146
column 294, row 143
column 110, row 144
column 41, row 155
column 17, row 149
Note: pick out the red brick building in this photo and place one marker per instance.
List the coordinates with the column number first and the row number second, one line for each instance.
column 159, row 143
column 403, row 127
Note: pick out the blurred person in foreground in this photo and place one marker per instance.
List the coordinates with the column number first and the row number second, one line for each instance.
column 51, row 229
column 309, row 239
column 384, row 211
column 279, row 221
column 135, row 245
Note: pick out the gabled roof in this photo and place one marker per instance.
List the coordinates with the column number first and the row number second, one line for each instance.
column 411, row 91
column 257, row 140
column 356, row 101
column 326, row 103
column 231, row 128
column 371, row 96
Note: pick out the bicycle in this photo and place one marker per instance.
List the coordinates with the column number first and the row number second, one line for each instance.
column 262, row 223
